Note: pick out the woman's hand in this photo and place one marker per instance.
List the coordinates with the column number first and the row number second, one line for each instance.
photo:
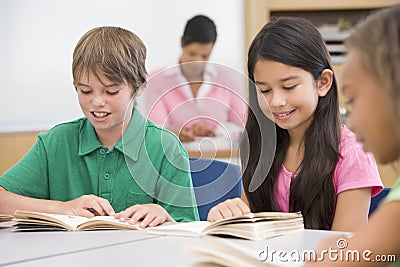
column 228, row 209
column 190, row 134
column 186, row 135
column 202, row 129
column 145, row 215
column 88, row 206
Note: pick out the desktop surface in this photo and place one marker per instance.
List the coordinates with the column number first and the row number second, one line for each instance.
column 122, row 247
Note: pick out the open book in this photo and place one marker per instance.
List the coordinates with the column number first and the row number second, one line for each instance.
column 252, row 226
column 229, row 252
column 38, row 221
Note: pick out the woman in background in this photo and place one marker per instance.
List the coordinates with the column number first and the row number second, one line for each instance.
column 196, row 97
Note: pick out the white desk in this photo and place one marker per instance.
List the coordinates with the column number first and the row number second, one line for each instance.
column 25, row 247
column 220, row 148
column 115, row 248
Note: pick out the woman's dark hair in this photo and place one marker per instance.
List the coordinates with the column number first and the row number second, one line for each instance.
column 199, row 29
column 295, row 42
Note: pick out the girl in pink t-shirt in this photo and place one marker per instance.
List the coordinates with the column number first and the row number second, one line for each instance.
column 297, row 156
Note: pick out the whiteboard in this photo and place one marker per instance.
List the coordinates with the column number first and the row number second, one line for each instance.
column 37, row 38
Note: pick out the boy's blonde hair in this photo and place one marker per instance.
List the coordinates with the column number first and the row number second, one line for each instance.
column 378, row 40
column 116, row 53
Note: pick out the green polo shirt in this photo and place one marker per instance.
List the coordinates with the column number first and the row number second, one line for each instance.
column 148, row 165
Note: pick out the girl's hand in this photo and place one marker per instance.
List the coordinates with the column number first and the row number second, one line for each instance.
column 144, row 215
column 88, row 206
column 228, row 209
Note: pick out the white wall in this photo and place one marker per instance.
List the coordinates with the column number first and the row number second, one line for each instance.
column 37, row 38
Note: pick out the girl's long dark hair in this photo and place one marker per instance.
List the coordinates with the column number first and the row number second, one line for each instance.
column 295, row 42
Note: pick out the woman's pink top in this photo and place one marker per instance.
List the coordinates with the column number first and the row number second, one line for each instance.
column 220, row 101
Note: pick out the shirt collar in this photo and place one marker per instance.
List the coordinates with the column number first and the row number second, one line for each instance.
column 133, row 138
column 130, row 143
column 88, row 141
column 209, row 71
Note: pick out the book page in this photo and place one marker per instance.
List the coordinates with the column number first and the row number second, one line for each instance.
column 223, row 252
column 69, row 222
column 183, row 229
column 251, row 219
column 249, row 226
column 231, row 252
column 5, row 217
column 106, row 222
column 31, row 221
column 209, row 143
column 259, row 216
column 6, row 221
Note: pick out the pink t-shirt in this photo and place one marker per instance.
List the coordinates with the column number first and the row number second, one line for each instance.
column 355, row 169
column 220, row 101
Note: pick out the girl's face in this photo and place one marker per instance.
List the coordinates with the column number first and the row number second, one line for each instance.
column 195, row 52
column 286, row 93
column 106, row 104
column 371, row 111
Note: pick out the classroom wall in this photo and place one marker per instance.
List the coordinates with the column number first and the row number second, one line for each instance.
column 38, row 38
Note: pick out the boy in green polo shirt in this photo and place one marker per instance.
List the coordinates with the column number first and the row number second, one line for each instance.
column 111, row 161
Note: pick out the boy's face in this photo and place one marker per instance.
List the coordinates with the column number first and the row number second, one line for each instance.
column 371, row 111
column 106, row 104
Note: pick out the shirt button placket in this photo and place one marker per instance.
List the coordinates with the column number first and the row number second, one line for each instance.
column 105, row 182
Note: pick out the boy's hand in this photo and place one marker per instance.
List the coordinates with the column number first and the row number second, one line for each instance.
column 89, row 206
column 145, row 215
column 228, row 209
